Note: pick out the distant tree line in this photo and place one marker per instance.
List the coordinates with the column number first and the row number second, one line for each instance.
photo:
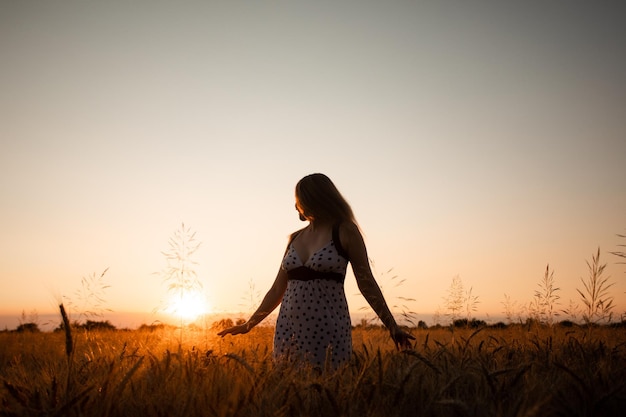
column 89, row 325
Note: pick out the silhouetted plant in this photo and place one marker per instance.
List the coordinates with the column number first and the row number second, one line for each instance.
column 179, row 273
column 89, row 301
column 470, row 324
column 471, row 304
column 252, row 297
column 97, row 325
column 572, row 310
column 454, row 300
column 458, row 301
column 69, row 346
column 29, row 320
column 510, row 308
column 398, row 303
column 620, row 253
column 546, row 298
column 597, row 300
column 28, row 327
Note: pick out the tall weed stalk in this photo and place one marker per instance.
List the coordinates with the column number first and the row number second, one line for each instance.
column 179, row 274
column 597, row 300
column 89, row 301
column 546, row 298
column 69, row 346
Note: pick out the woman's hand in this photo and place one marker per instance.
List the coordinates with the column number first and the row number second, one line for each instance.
column 240, row 329
column 401, row 338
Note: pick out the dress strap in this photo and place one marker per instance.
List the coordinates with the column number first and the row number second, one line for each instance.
column 340, row 250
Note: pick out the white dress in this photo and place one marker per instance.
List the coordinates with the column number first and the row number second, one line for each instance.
column 314, row 318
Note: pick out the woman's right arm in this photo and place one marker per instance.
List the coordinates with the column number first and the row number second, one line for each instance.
column 271, row 300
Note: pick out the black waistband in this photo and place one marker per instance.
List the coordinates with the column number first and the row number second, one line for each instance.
column 303, row 273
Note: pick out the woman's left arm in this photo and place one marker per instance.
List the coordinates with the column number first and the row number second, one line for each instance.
column 352, row 241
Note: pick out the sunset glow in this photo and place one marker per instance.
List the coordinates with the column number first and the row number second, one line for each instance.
column 479, row 140
column 189, row 306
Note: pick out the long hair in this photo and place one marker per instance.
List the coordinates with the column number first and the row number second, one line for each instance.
column 320, row 199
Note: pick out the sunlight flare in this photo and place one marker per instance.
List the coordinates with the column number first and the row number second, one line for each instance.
column 189, row 305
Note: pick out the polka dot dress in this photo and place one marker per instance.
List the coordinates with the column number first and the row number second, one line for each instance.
column 314, row 320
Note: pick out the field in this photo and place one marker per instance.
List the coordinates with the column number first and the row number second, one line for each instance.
column 518, row 370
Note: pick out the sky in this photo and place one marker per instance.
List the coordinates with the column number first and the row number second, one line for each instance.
column 481, row 140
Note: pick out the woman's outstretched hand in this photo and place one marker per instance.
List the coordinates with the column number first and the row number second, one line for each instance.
column 401, row 339
column 239, row 329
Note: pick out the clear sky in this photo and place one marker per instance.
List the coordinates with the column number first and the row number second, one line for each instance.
column 478, row 139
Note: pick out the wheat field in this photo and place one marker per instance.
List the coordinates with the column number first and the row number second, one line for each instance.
column 517, row 370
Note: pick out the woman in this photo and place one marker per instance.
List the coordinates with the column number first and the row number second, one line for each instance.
column 314, row 323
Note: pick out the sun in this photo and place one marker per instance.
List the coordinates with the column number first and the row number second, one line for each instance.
column 188, row 305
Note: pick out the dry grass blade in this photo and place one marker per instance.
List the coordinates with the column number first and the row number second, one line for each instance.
column 583, row 385
column 241, row 361
column 423, row 359
column 18, row 393
column 64, row 410
column 127, row 377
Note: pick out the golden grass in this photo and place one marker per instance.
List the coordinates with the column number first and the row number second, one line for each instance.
column 515, row 371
